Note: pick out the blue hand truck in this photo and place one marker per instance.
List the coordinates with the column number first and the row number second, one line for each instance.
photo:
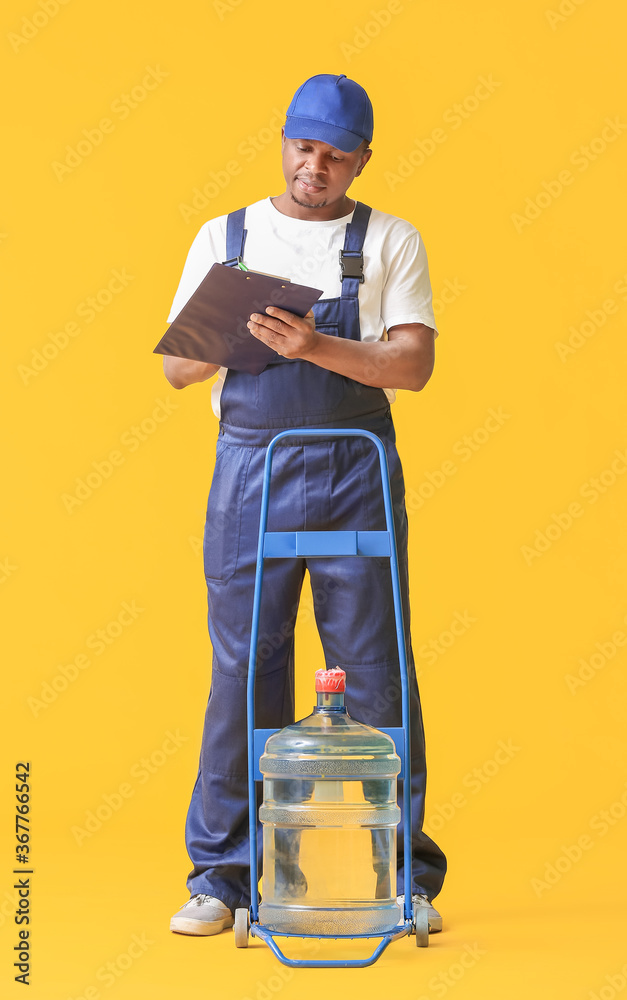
column 288, row 545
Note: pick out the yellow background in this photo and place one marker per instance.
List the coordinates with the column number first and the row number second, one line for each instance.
column 520, row 288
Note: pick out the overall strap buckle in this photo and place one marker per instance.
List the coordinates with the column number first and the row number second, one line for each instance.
column 351, row 264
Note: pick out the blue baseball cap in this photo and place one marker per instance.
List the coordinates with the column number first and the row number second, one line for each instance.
column 332, row 109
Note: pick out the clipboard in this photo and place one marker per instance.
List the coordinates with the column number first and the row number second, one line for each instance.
column 211, row 326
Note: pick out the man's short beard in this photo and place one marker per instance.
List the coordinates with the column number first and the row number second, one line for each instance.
column 306, row 204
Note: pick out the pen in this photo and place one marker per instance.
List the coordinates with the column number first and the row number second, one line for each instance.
column 241, row 266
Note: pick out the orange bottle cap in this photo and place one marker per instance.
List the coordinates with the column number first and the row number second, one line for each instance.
column 331, row 681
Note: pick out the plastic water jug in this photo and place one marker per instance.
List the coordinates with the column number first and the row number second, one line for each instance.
column 329, row 818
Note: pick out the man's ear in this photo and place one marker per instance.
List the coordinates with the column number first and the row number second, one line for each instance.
column 363, row 161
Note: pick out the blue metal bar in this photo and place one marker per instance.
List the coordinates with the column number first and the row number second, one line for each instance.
column 296, row 544
column 326, row 543
column 257, row 930
column 402, row 656
column 307, row 432
column 250, row 689
column 401, row 930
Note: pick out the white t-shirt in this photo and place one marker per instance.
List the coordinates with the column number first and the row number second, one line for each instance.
column 396, row 289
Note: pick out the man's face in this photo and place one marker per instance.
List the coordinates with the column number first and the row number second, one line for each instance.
column 318, row 174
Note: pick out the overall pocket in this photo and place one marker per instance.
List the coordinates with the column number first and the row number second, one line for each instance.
column 224, row 511
column 295, row 392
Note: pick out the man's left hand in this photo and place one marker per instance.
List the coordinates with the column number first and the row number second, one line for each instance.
column 289, row 335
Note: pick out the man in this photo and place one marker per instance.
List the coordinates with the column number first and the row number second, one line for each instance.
column 372, row 328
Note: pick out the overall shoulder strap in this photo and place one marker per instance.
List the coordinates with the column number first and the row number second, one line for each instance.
column 351, row 256
column 235, row 237
column 356, row 230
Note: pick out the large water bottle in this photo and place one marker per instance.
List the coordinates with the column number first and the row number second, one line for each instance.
column 329, row 818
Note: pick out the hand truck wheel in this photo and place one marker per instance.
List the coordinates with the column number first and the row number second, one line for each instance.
column 241, row 927
column 421, row 925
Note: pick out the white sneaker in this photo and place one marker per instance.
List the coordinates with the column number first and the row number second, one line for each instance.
column 202, row 915
column 435, row 920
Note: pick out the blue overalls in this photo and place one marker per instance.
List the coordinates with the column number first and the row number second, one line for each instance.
column 329, row 485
